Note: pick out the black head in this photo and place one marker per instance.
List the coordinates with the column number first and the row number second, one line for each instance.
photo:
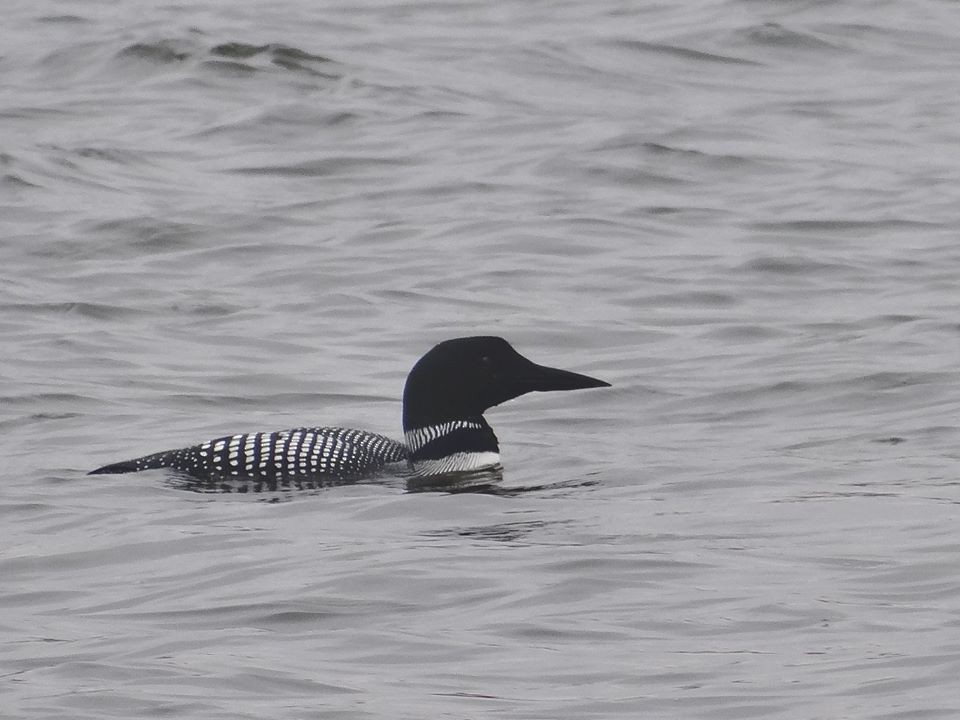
column 461, row 378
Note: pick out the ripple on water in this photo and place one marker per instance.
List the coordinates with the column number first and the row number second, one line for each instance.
column 223, row 219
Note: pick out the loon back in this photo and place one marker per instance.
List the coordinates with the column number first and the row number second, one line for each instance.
column 444, row 399
column 301, row 453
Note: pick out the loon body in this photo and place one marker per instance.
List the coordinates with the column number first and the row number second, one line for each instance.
column 444, row 398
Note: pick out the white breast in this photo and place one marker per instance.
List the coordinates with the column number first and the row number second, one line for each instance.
column 458, row 462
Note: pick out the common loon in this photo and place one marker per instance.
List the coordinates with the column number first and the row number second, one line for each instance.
column 444, row 398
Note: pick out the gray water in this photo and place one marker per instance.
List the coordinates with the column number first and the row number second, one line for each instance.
column 221, row 217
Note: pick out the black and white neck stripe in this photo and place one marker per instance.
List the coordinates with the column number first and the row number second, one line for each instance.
column 420, row 437
column 452, row 446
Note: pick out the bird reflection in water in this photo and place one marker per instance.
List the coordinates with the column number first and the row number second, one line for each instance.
column 487, row 481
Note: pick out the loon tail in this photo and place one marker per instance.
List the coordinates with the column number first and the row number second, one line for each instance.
column 150, row 462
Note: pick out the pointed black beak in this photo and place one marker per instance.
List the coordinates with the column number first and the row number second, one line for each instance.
column 539, row 378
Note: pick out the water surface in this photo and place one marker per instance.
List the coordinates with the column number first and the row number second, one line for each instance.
column 220, row 218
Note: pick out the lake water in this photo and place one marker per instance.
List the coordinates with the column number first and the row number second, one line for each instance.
column 221, row 217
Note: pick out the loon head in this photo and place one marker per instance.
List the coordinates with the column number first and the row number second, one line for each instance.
column 451, row 386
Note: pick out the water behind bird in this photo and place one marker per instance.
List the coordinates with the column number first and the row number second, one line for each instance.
column 220, row 220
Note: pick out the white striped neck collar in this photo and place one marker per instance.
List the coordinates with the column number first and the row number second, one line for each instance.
column 452, row 446
column 419, row 438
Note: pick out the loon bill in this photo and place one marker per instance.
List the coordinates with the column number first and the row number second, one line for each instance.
column 444, row 398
